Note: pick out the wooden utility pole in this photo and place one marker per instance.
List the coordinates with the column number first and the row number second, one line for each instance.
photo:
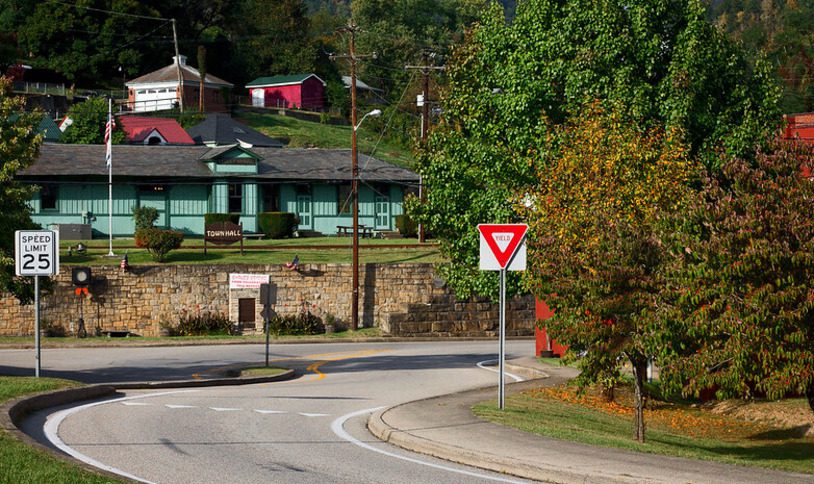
column 353, row 57
column 425, row 118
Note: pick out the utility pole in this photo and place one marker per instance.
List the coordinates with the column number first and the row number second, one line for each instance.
column 353, row 57
column 425, row 118
column 178, row 68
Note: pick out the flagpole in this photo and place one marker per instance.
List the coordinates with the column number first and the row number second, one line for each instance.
column 109, row 132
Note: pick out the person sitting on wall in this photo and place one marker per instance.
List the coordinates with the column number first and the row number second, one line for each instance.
column 294, row 265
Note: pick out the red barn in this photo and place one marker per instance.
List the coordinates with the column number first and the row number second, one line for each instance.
column 799, row 126
column 306, row 91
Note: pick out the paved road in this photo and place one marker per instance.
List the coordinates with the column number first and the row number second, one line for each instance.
column 306, row 430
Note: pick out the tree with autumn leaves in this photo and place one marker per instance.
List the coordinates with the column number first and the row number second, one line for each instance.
column 737, row 316
column 604, row 190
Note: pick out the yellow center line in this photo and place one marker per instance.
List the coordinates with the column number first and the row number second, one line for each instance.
column 322, row 358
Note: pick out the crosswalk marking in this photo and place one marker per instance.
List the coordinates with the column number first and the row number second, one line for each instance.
column 225, row 409
column 180, row 406
column 269, row 411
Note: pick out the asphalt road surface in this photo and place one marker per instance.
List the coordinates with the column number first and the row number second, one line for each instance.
column 307, row 430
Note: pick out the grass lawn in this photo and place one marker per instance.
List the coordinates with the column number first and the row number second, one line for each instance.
column 262, row 371
column 316, row 250
column 21, row 463
column 306, row 134
column 672, row 428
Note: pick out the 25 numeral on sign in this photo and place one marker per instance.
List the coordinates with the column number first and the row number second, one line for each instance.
column 29, row 260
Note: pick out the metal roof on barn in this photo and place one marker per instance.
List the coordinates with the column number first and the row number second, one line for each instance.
column 282, row 80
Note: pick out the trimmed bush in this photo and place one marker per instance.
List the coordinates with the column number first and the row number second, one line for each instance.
column 210, row 218
column 277, row 225
column 160, row 242
column 406, row 226
column 299, row 324
column 205, row 323
column 145, row 218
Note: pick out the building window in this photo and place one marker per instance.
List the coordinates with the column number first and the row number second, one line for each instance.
column 344, row 199
column 48, row 197
column 236, row 198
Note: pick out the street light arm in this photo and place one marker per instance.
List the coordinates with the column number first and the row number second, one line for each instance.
column 374, row 113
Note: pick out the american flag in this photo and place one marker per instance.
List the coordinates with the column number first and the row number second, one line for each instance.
column 109, row 127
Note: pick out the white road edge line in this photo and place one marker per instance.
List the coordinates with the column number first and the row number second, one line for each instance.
column 54, row 420
column 483, row 366
column 338, row 428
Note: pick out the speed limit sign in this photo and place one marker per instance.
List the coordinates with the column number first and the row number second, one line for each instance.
column 36, row 252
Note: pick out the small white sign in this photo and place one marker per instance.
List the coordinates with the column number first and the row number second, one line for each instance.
column 247, row 281
column 36, row 252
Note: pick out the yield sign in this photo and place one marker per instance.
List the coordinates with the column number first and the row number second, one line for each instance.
column 499, row 242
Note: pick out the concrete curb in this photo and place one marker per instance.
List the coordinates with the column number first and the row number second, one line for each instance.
column 497, row 463
column 113, row 343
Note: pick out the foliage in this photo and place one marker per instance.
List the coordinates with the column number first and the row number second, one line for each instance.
column 406, row 226
column 783, row 31
column 661, row 61
column 296, row 324
column 19, row 144
column 211, row 218
column 204, row 323
column 277, row 225
column 741, row 316
column 145, row 217
column 160, row 242
column 594, row 248
column 89, row 121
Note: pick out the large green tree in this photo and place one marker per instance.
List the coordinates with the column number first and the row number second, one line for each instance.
column 661, row 60
column 89, row 119
column 740, row 319
column 19, row 143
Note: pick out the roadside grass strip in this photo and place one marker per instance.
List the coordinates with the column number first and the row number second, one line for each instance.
column 674, row 429
column 20, row 463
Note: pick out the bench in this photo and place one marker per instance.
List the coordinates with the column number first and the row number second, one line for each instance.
column 347, row 230
column 256, row 236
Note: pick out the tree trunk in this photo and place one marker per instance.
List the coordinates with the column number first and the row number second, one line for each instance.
column 639, row 371
column 810, row 395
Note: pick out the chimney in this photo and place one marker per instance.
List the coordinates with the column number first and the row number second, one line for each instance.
column 182, row 58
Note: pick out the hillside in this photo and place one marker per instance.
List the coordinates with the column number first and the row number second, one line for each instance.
column 305, row 134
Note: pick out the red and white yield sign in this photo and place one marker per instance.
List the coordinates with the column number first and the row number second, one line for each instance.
column 498, row 243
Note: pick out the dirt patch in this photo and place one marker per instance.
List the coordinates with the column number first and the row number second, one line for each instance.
column 792, row 414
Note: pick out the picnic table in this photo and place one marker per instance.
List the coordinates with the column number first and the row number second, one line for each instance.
column 364, row 231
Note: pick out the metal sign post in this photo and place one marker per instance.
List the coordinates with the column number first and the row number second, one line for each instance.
column 502, row 248
column 268, row 297
column 36, row 253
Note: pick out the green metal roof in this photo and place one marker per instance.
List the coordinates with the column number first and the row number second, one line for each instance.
column 281, row 80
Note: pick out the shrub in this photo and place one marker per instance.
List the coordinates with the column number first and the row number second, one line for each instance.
column 277, row 225
column 160, row 242
column 144, row 218
column 205, row 323
column 406, row 226
column 211, row 218
column 299, row 324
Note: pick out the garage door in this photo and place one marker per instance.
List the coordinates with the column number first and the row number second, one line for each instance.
column 155, row 99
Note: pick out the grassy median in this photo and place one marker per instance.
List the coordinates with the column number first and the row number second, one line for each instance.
column 682, row 429
column 21, row 463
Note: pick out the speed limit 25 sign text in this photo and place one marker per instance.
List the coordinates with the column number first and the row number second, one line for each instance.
column 36, row 252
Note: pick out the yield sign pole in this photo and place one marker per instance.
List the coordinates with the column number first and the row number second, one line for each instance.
column 502, row 248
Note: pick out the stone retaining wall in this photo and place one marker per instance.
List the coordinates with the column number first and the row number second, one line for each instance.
column 403, row 299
